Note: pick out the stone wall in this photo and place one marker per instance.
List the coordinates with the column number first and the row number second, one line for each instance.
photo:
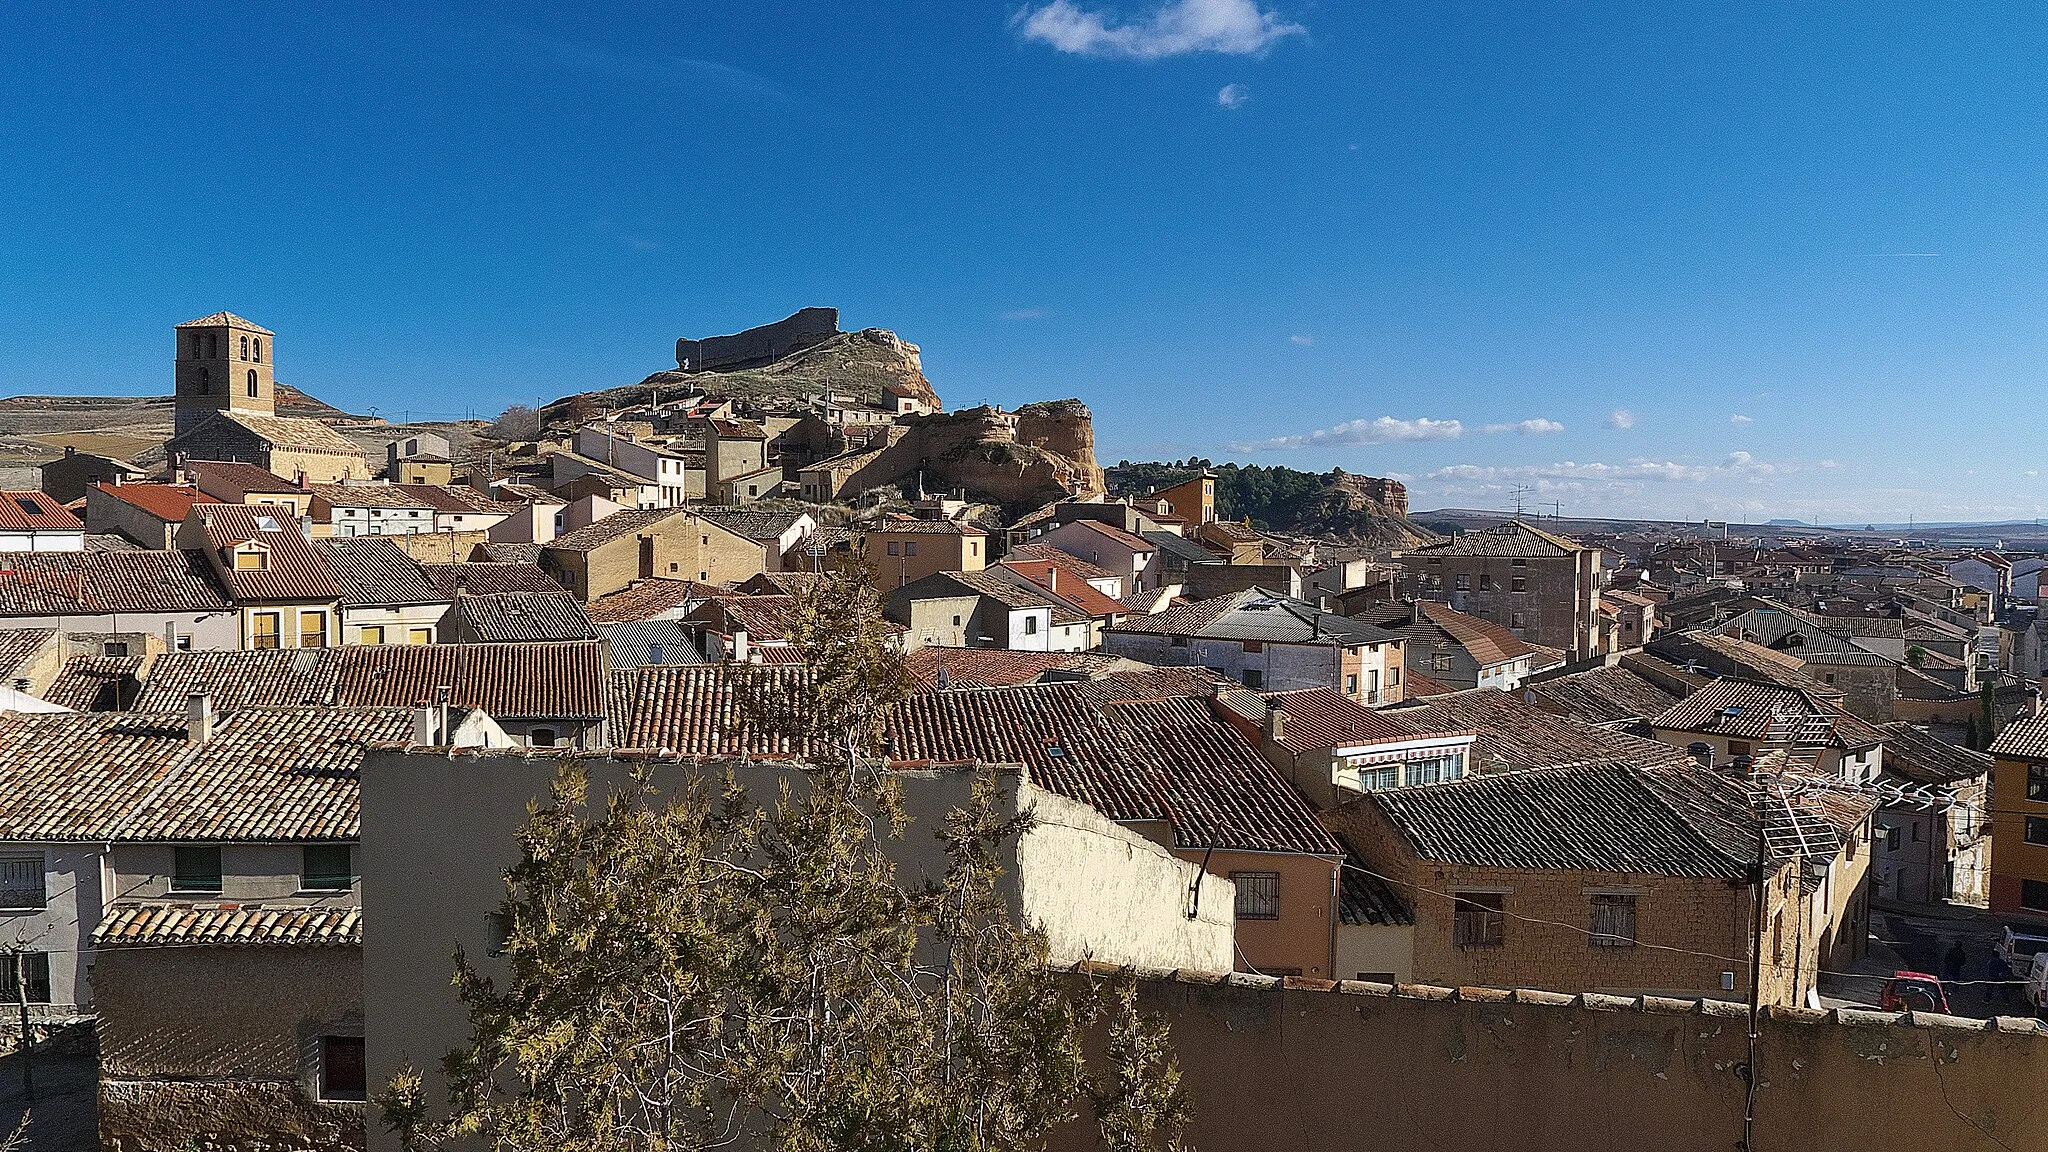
column 758, row 346
column 1371, row 1068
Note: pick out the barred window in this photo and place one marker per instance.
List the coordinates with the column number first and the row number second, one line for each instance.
column 1479, row 920
column 21, row 882
column 1614, row 921
column 32, row 970
column 1258, row 895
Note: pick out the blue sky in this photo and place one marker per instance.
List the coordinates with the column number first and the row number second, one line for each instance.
column 1688, row 260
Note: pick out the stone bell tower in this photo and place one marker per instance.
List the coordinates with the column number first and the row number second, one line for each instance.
column 223, row 366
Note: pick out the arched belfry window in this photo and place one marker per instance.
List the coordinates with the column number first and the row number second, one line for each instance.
column 205, row 381
column 258, row 346
column 252, row 382
column 245, row 347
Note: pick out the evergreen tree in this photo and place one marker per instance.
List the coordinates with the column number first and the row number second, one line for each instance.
column 689, row 968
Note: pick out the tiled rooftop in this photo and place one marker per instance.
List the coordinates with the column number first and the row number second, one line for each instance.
column 519, row 617
column 374, row 571
column 185, row 923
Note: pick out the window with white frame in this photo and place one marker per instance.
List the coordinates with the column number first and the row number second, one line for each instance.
column 1436, row 769
column 1372, row 777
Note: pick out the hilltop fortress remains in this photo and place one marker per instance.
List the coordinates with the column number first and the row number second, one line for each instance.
column 760, row 346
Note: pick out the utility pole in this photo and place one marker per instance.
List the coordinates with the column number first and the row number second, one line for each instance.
column 1519, row 491
column 28, row 1058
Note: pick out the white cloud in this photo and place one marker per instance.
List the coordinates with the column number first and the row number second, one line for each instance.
column 1737, row 465
column 1357, row 432
column 1026, row 314
column 1536, row 427
column 1739, row 420
column 1233, row 95
column 2033, row 472
column 1304, row 341
column 1175, row 28
column 1621, row 419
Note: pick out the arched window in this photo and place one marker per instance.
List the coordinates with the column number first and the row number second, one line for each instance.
column 257, row 346
column 205, row 381
column 245, row 347
column 252, row 382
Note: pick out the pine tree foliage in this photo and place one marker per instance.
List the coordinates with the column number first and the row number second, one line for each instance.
column 692, row 967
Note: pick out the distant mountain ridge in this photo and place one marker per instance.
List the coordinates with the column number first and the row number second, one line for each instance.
column 1334, row 505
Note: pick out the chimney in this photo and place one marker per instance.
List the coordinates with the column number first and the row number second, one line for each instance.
column 1415, row 612
column 423, row 734
column 198, row 717
column 739, row 645
column 1276, row 724
column 170, row 636
column 1052, row 577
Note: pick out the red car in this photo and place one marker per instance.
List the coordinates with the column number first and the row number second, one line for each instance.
column 1915, row 992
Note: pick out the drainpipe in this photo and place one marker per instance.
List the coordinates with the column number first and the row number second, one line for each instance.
column 1336, row 884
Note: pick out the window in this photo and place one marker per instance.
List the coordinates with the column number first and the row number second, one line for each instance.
column 326, row 868
column 185, row 642
column 342, row 1072
column 1738, row 748
column 2037, row 781
column 1516, row 620
column 910, row 547
column 1254, row 646
column 28, row 970
column 892, row 548
column 1891, row 837
column 1464, row 582
column 115, row 648
column 497, row 933
column 195, row 869
column 541, row 738
column 1379, row 776
column 1031, row 625
column 205, row 381
column 956, row 621
column 1479, row 920
column 312, row 629
column 1351, row 685
column 1436, row 769
column 1486, row 581
column 1179, row 641
column 1518, row 584
column 1441, row 662
column 1519, row 563
column 245, row 348
column 1394, row 676
column 21, row 883
column 252, row 559
column 1253, row 678
column 2034, row 894
column 1614, row 921
column 263, row 629
column 371, row 634
column 253, row 391
column 419, row 636
column 2037, row 830
column 1258, row 895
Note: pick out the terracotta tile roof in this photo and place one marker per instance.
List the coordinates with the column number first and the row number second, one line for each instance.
column 996, row 667
column 519, row 618
column 925, row 528
column 1257, row 614
column 1062, row 581
column 1919, row 756
column 457, row 498
column 648, row 599
column 268, row 774
column 1132, row 760
column 166, row 502
column 1600, row 818
column 1067, row 561
column 96, row 683
column 296, row 571
column 1511, row 539
column 510, row 552
column 271, row 677
column 507, row 681
column 1418, row 685
column 1515, row 736
column 610, row 528
column 374, row 571
column 1366, row 899
column 760, row 526
column 488, row 577
column 738, row 430
column 94, row 583
column 20, row 510
column 158, row 923
column 1601, row 696
column 366, row 496
column 237, row 474
column 17, row 645
column 1321, row 719
column 227, row 320
column 1732, row 655
column 761, row 617
column 633, row 643
column 2024, row 739
column 1118, row 535
column 294, row 433
column 695, row 710
column 1742, row 709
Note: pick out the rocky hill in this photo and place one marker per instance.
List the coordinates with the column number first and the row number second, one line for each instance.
column 858, row 364
column 1338, row 506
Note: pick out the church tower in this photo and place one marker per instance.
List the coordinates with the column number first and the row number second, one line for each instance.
column 223, row 366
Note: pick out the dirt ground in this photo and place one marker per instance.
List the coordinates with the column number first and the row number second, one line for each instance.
column 63, row 1115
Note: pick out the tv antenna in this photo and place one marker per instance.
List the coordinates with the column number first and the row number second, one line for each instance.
column 1519, row 491
column 1556, row 509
